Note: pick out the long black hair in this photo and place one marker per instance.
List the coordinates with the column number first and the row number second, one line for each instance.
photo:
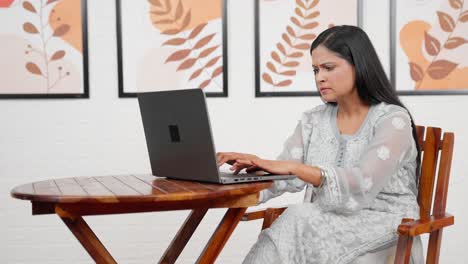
column 352, row 44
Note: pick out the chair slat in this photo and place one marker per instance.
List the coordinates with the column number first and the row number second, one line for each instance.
column 446, row 155
column 426, row 182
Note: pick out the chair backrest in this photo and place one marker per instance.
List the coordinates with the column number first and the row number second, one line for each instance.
column 436, row 155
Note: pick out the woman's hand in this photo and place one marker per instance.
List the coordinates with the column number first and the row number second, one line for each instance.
column 271, row 166
column 231, row 157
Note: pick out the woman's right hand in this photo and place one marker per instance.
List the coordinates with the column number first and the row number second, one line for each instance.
column 231, row 159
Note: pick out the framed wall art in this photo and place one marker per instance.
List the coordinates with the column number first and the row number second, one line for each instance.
column 429, row 46
column 172, row 44
column 284, row 30
column 44, row 50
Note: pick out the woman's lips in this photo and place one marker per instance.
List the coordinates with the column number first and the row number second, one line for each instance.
column 324, row 89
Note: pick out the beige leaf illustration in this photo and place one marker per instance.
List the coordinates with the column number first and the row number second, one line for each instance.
column 187, row 64
column 179, row 55
column 313, row 15
column 296, row 22
column 28, row 6
column 291, row 64
column 311, row 25
column 416, row 72
column 313, row 4
column 205, row 83
column 290, row 31
column 440, row 69
column 30, row 28
column 286, row 39
column 58, row 55
column 197, row 30
column 179, row 11
column 455, row 42
column 33, row 68
column 61, row 30
column 271, row 67
column 308, row 37
column 295, row 55
column 302, row 46
column 187, row 19
column 281, row 48
column 446, row 21
column 431, row 44
column 212, row 62
column 276, row 57
column 155, row 2
column 284, row 83
column 51, row 1
column 196, row 74
column 457, row 4
column 217, row 72
column 175, row 42
column 168, row 5
column 301, row 4
column 464, row 16
column 207, row 51
column 163, row 21
column 202, row 42
column 267, row 78
column 158, row 13
column 288, row 73
column 299, row 12
column 172, row 31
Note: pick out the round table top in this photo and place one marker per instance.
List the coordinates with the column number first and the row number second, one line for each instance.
column 128, row 188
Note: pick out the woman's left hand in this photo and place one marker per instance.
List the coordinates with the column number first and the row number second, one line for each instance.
column 271, row 166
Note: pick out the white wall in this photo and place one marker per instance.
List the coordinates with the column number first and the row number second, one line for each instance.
column 42, row 139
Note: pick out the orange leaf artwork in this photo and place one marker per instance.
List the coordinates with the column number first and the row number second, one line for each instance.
column 58, row 55
column 435, row 48
column 416, row 72
column 30, row 28
column 432, row 44
column 446, row 21
column 440, row 69
column 179, row 55
column 33, row 68
column 455, row 42
column 187, row 64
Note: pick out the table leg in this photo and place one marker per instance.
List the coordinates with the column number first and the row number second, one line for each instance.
column 221, row 235
column 86, row 237
column 183, row 236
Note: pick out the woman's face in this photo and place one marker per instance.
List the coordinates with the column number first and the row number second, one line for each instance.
column 334, row 76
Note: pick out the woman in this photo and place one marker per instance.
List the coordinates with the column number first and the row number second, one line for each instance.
column 356, row 155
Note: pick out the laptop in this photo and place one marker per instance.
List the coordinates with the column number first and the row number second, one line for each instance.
column 178, row 137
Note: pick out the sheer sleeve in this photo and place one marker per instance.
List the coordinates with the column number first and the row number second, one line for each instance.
column 293, row 150
column 349, row 189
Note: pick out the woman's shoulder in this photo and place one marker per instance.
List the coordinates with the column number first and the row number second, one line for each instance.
column 317, row 110
column 385, row 110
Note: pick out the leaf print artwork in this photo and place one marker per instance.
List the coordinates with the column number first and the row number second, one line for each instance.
column 171, row 45
column 285, row 30
column 435, row 47
column 195, row 52
column 45, row 45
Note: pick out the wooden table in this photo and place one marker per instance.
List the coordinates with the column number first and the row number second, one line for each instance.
column 72, row 198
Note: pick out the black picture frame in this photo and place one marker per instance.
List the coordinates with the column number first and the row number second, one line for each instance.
column 120, row 47
column 393, row 62
column 85, row 68
column 258, row 92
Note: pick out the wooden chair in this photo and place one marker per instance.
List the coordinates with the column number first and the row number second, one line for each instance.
column 433, row 217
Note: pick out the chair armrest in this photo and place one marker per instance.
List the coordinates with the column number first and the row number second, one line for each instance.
column 254, row 215
column 417, row 227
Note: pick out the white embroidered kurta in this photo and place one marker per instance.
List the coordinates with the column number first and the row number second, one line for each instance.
column 369, row 187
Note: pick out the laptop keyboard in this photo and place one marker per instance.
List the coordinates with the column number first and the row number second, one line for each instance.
column 240, row 175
